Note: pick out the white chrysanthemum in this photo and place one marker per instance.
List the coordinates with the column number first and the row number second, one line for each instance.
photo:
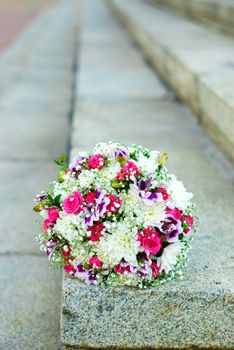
column 168, row 259
column 148, row 165
column 67, row 226
column 120, row 244
column 179, row 196
column 153, row 214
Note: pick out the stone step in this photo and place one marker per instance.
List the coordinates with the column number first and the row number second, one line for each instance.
column 219, row 14
column 197, row 62
column 35, row 105
column 197, row 311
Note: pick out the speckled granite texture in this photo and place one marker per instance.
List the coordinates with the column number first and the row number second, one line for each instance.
column 173, row 315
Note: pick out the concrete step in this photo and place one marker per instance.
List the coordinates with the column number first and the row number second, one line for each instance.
column 197, row 311
column 197, row 62
column 219, row 14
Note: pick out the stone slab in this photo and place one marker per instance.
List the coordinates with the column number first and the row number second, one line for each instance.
column 216, row 95
column 158, row 318
column 19, row 182
column 185, row 53
column 213, row 12
column 108, row 70
column 19, row 141
column 123, row 84
column 159, row 124
column 30, row 304
column 35, row 98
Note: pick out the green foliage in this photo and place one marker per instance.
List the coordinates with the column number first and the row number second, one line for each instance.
column 61, row 162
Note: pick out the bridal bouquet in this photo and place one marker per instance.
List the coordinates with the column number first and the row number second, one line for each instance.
column 117, row 217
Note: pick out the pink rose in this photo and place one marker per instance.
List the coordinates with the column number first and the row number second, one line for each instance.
column 97, row 161
column 95, row 262
column 73, row 203
column 155, row 269
column 53, row 214
column 151, row 240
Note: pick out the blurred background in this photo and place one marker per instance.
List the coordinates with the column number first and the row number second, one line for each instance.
column 73, row 73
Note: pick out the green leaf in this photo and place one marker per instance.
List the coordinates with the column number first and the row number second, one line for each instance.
column 57, row 200
column 50, row 199
column 116, row 184
column 61, row 161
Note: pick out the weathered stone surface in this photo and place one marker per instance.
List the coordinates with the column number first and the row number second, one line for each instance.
column 158, row 318
column 30, row 304
column 108, row 71
column 216, row 96
column 19, row 182
column 185, row 53
column 17, row 127
column 35, row 99
column 214, row 12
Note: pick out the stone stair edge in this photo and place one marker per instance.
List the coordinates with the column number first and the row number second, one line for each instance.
column 218, row 14
column 188, row 83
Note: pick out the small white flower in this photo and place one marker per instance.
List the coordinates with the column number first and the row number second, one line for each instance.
column 180, row 197
column 87, row 178
column 169, row 256
column 44, row 213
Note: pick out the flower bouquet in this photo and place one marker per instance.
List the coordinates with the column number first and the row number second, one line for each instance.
column 117, row 217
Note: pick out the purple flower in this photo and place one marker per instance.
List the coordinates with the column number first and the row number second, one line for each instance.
column 80, row 271
column 171, row 227
column 79, row 161
column 86, row 275
column 144, row 272
column 120, row 153
column 145, row 188
column 97, row 209
column 51, row 246
column 91, row 279
column 40, row 198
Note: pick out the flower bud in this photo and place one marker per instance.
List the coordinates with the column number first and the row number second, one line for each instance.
column 60, row 175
